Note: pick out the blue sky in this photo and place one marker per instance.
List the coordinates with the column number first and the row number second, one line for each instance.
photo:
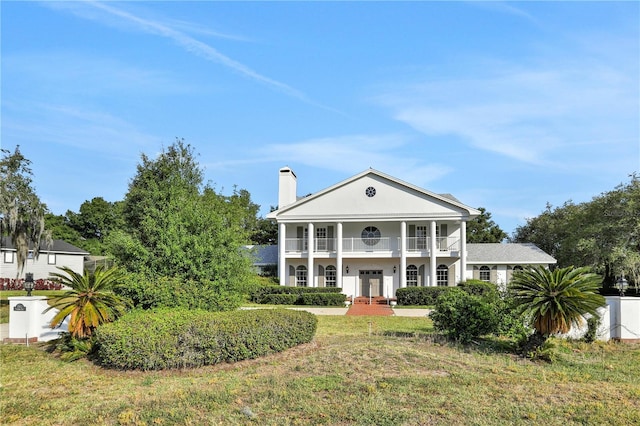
column 507, row 106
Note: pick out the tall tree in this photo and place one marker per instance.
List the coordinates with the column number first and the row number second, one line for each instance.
column 178, row 226
column 483, row 229
column 603, row 233
column 21, row 211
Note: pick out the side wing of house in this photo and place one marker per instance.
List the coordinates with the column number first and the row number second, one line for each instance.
column 497, row 262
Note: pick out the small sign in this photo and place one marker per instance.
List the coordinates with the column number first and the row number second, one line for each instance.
column 19, row 307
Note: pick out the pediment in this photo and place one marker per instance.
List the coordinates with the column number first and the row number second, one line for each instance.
column 372, row 194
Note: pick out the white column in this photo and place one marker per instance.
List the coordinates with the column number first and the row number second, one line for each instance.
column 339, row 255
column 403, row 255
column 311, row 282
column 282, row 254
column 433, row 257
column 463, row 251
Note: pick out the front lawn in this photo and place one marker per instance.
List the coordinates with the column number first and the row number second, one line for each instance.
column 357, row 371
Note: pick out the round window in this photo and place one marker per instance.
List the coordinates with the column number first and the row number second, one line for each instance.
column 370, row 191
column 371, row 235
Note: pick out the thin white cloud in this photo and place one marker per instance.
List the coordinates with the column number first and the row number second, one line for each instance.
column 347, row 155
column 533, row 114
column 188, row 43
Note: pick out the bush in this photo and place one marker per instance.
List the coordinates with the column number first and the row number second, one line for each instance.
column 421, row 296
column 177, row 338
column 281, row 299
column 323, row 299
column 480, row 288
column 170, row 292
column 258, row 294
column 462, row 316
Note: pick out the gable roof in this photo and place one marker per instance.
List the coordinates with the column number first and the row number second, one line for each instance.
column 58, row 246
column 445, row 200
column 512, row 254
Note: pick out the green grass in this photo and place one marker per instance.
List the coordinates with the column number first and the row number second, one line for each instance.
column 4, row 301
column 357, row 371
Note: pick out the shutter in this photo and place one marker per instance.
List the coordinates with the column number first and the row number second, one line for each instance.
column 412, row 231
column 421, row 278
column 494, row 274
column 300, row 236
column 443, row 230
column 451, row 277
column 476, row 273
column 292, row 276
column 509, row 273
column 320, row 276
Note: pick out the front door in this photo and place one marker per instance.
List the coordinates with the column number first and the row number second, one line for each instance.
column 371, row 283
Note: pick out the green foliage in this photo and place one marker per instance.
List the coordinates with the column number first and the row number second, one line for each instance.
column 603, row 233
column 483, row 229
column 90, row 300
column 280, row 299
column 258, row 294
column 180, row 338
column 70, row 348
column 167, row 292
column 553, row 301
column 463, row 317
column 21, row 211
column 419, row 296
column 593, row 324
column 480, row 288
column 323, row 299
column 282, row 295
column 178, row 227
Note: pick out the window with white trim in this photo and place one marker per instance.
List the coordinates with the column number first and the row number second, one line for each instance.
column 370, row 235
column 321, row 239
column 421, row 237
column 485, row 273
column 301, row 276
column 8, row 257
column 442, row 276
column 412, row 276
column 330, row 276
column 51, row 259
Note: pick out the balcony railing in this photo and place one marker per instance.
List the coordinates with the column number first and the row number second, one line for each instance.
column 357, row 245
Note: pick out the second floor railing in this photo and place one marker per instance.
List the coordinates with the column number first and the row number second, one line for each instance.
column 356, row 244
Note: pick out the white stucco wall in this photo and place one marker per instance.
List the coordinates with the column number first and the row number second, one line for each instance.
column 624, row 317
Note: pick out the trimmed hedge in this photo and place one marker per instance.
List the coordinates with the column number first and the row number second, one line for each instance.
column 264, row 294
column 323, row 299
column 480, row 288
column 280, row 299
column 176, row 338
column 423, row 296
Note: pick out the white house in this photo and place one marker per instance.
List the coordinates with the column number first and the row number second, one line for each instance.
column 60, row 253
column 372, row 234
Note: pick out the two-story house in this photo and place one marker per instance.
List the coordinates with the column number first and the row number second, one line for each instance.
column 372, row 234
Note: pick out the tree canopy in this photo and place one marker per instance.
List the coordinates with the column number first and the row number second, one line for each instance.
column 603, row 233
column 483, row 229
column 176, row 225
column 21, row 211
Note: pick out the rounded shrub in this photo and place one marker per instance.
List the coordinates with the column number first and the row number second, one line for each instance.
column 178, row 338
column 462, row 316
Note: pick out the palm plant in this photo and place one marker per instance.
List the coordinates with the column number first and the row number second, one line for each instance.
column 89, row 302
column 553, row 301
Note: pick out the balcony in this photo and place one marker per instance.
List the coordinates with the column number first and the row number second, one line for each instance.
column 385, row 244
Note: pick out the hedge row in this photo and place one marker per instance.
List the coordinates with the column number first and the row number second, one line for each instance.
column 423, row 296
column 264, row 294
column 176, row 338
column 18, row 284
